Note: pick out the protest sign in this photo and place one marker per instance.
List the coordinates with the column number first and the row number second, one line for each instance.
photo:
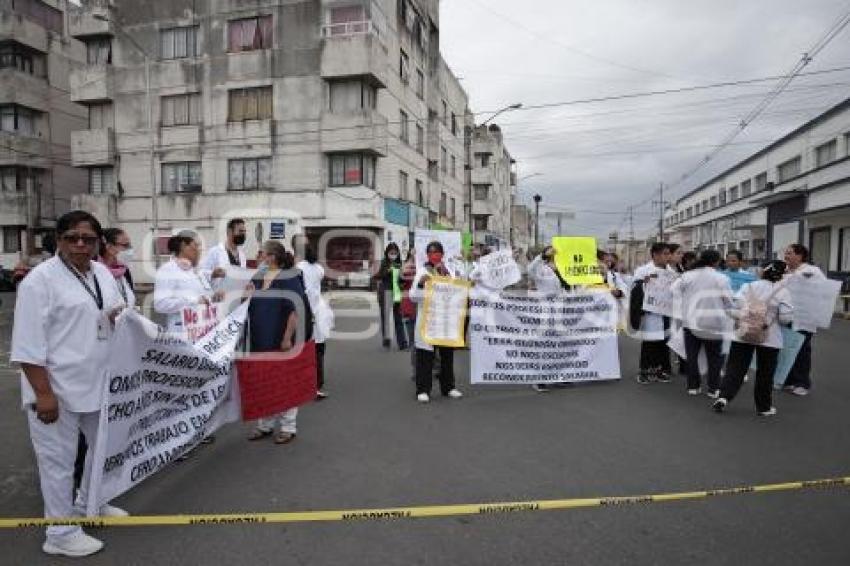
column 658, row 296
column 499, row 270
column 444, row 312
column 163, row 396
column 575, row 258
column 272, row 382
column 814, row 301
column 571, row 337
column 198, row 320
column 452, row 248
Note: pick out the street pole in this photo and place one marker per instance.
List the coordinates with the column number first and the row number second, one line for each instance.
column 537, row 199
column 661, row 212
column 152, row 142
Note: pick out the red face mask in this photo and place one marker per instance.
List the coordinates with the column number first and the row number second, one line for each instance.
column 435, row 258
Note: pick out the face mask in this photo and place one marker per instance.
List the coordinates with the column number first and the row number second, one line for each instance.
column 435, row 258
column 239, row 239
column 393, row 257
column 126, row 256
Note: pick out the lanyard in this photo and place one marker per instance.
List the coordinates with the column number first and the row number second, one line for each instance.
column 96, row 294
column 122, row 287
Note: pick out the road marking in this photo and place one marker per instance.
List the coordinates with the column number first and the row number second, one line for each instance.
column 402, row 513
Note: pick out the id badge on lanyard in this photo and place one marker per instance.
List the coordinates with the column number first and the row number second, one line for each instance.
column 103, row 327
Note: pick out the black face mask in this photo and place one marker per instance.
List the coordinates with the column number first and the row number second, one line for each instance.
column 239, row 239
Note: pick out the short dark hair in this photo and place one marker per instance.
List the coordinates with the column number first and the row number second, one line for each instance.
column 74, row 218
column 736, row 253
column 658, row 248
column 708, row 258
column 774, row 270
column 310, row 254
column 800, row 250
column 600, row 254
column 177, row 241
column 673, row 248
column 436, row 246
column 233, row 223
column 110, row 235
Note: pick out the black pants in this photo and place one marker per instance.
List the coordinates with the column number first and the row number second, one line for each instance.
column 740, row 357
column 801, row 372
column 654, row 357
column 320, row 366
column 387, row 305
column 714, row 357
column 79, row 463
column 425, row 370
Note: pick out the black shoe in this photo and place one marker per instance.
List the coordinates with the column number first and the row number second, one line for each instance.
column 644, row 378
column 663, row 377
column 387, row 343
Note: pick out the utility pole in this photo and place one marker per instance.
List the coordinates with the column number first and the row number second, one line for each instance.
column 537, row 199
column 631, row 243
column 662, row 207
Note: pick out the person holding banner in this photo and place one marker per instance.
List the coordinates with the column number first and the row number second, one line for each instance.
column 280, row 320
column 116, row 255
column 761, row 306
column 179, row 284
column 313, row 274
column 799, row 273
column 426, row 352
column 652, row 328
column 544, row 275
column 389, row 296
column 64, row 317
column 706, row 300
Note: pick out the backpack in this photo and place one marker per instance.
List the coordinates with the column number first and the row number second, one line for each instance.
column 753, row 323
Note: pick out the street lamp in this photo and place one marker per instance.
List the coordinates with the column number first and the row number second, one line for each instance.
column 516, row 106
column 537, row 199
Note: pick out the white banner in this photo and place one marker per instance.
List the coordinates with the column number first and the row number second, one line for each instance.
column 571, row 337
column 658, row 296
column 452, row 248
column 162, row 397
column 814, row 301
column 499, row 270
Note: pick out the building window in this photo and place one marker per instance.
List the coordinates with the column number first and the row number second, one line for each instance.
column 20, row 57
column 181, row 110
column 481, row 192
column 761, row 182
column 404, row 67
column 11, row 239
column 445, row 113
column 697, row 208
column 17, row 120
column 847, row 144
column 101, row 181
column 180, row 42
column 454, row 124
column 249, row 174
column 733, row 194
column 181, row 177
column 480, row 222
column 101, row 116
column 402, row 185
column 453, row 208
column 689, row 212
column 351, row 96
column 721, row 197
column 99, row 51
column 250, row 34
column 788, row 170
column 482, row 159
column 18, row 179
column 705, row 205
column 454, row 167
column 420, row 139
column 826, row 153
column 251, row 104
column 346, row 20
column 444, row 160
column 420, row 193
column 443, row 204
column 420, row 84
column 746, row 188
column 713, row 203
column 351, row 169
column 404, row 127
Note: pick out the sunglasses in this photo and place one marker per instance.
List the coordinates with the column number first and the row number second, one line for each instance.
column 74, row 238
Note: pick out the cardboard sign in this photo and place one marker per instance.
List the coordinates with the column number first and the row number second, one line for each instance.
column 199, row 320
column 575, row 258
column 499, row 270
column 444, row 312
column 271, row 382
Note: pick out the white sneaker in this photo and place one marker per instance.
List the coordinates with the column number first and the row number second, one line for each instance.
column 713, row 394
column 112, row 511
column 694, row 392
column 423, row 398
column 455, row 394
column 75, row 545
column 768, row 413
column 800, row 391
column 719, row 405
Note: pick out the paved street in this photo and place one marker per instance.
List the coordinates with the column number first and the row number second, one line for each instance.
column 371, row 445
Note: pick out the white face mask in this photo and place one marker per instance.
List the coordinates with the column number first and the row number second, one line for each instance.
column 126, row 256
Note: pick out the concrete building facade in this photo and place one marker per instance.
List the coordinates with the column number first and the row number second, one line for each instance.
column 37, row 180
column 493, row 185
column 337, row 119
column 796, row 190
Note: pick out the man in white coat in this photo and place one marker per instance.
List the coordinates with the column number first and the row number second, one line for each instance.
column 228, row 253
column 654, row 357
column 64, row 315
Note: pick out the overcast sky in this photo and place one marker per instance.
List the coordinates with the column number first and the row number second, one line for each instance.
column 598, row 158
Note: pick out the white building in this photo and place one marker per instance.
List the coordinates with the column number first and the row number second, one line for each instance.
column 796, row 190
column 493, row 186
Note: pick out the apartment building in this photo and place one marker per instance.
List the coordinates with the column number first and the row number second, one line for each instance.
column 493, row 183
column 522, row 228
column 797, row 189
column 37, row 180
column 337, row 119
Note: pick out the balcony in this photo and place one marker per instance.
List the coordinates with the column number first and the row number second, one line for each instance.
column 482, row 176
column 17, row 87
column 356, row 131
column 15, row 27
column 93, row 147
column 483, row 207
column 92, row 84
column 94, row 22
column 14, row 209
column 23, row 151
column 349, row 53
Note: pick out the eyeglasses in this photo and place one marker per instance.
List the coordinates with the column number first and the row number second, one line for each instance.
column 74, row 238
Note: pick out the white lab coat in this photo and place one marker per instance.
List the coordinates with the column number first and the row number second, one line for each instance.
column 544, row 278
column 217, row 257
column 706, row 299
column 651, row 324
column 175, row 289
column 125, row 289
column 323, row 317
column 779, row 308
column 806, row 272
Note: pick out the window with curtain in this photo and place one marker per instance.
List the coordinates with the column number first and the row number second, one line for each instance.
column 250, row 34
column 249, row 174
column 17, row 120
column 184, row 177
column 101, row 180
column 11, row 239
column 101, row 116
column 179, row 42
column 99, row 51
column 14, row 55
column 181, row 110
column 347, row 20
column 351, row 96
column 250, row 104
column 351, row 169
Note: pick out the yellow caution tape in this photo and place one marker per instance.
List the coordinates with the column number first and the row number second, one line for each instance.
column 414, row 512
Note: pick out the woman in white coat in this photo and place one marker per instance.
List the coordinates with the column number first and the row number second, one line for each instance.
column 799, row 380
column 323, row 316
column 179, row 284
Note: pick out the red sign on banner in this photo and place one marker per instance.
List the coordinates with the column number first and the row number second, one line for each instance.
column 270, row 383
